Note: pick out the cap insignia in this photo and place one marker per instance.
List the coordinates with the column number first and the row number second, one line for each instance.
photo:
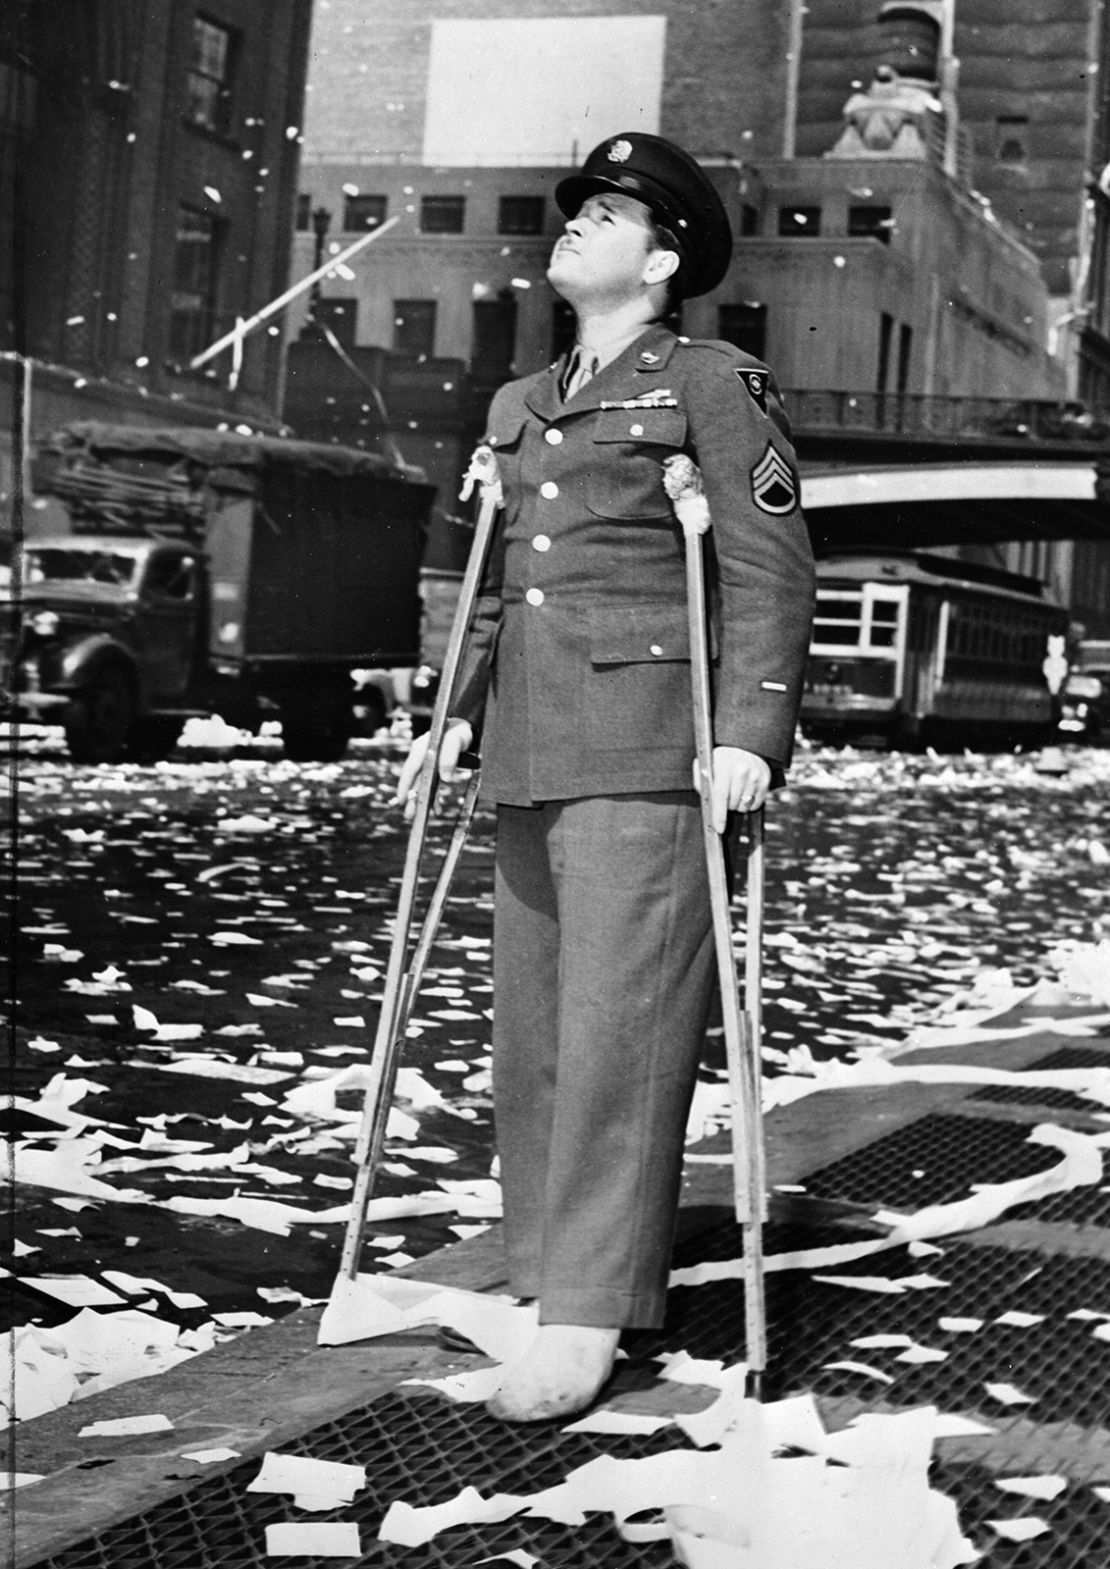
column 619, row 152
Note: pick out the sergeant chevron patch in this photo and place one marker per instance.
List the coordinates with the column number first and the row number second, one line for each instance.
column 774, row 489
column 756, row 383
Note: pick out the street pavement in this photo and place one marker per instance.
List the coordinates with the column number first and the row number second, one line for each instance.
column 897, row 884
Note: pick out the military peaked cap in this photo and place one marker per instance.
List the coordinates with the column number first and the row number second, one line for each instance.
column 673, row 186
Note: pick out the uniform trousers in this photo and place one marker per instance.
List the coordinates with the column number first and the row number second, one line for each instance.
column 604, row 975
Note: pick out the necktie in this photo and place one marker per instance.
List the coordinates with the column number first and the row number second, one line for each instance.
column 581, row 368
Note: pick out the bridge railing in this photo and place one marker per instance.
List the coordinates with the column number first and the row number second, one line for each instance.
column 915, row 414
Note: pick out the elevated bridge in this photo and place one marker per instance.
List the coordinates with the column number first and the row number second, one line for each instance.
column 882, row 469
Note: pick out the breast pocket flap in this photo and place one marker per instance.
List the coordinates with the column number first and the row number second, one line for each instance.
column 642, row 427
column 638, row 634
column 505, row 434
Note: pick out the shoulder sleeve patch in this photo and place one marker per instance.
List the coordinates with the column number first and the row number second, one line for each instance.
column 756, row 383
column 774, row 488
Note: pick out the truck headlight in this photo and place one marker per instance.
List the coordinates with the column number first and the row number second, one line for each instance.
column 44, row 623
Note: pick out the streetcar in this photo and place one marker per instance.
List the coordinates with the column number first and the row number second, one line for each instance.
column 913, row 649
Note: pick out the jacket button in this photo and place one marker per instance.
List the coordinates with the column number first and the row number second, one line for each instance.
column 541, row 542
column 534, row 596
column 549, row 490
column 636, row 430
column 553, row 435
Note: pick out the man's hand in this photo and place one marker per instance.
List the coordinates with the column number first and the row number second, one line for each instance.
column 740, row 783
column 456, row 740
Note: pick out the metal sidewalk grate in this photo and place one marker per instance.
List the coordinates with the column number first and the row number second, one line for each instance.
column 1056, row 1362
column 1077, row 1520
column 420, row 1448
column 932, row 1161
column 423, row 1449
column 1064, row 1100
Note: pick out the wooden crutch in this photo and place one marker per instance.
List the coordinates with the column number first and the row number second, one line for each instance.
column 406, row 962
column 742, row 1026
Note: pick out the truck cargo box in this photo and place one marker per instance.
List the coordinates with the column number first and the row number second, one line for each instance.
column 314, row 551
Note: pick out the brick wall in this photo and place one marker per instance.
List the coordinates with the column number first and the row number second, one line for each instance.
column 724, row 70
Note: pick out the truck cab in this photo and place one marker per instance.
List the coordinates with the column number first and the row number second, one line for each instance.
column 210, row 572
column 105, row 636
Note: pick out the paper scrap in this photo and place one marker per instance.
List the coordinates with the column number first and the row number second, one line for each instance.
column 880, row 1284
column 859, row 1367
column 262, row 1214
column 916, row 1354
column 124, row 1426
column 1009, row 1395
column 314, row 1539
column 210, row 1456
column 1044, row 1487
column 790, row 1511
column 333, row 1479
column 408, row 1526
column 951, row 1425
column 467, row 1388
column 606, row 1420
column 1023, row 1529
column 76, row 1290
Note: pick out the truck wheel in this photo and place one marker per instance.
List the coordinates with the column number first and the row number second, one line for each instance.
column 99, row 717
column 316, row 732
column 153, row 737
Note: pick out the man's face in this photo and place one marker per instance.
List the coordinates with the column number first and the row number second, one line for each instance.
column 604, row 252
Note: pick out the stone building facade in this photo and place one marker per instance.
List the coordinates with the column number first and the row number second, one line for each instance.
column 149, row 157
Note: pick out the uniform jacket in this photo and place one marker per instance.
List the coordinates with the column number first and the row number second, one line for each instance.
column 577, row 671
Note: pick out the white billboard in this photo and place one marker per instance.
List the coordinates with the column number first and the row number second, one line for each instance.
column 540, row 91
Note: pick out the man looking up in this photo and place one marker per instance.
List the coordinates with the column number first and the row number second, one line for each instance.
column 577, row 677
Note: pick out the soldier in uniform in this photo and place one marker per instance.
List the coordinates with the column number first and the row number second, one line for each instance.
column 576, row 679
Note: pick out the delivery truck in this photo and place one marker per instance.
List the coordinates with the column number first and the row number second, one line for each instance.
column 205, row 573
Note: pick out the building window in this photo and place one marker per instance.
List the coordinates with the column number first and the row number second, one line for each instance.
column 749, row 219
column 304, row 211
column 1013, row 130
column 208, row 82
column 339, row 315
column 800, row 221
column 364, row 212
column 870, row 223
column 886, row 334
column 493, row 338
column 744, row 325
column 442, row 214
column 905, row 349
column 195, row 276
column 520, row 215
column 414, row 326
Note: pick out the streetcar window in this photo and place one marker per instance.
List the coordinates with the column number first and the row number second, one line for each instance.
column 996, row 637
column 868, row 619
column 839, row 620
column 884, row 623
